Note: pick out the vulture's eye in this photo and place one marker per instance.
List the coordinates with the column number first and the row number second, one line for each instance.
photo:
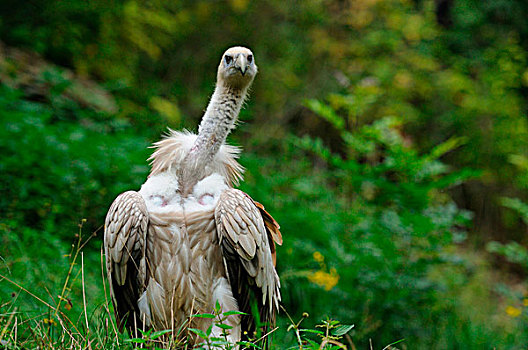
column 228, row 59
column 250, row 58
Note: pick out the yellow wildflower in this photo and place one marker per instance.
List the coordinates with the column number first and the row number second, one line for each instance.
column 513, row 311
column 324, row 279
column 50, row 321
column 525, row 301
column 318, row 257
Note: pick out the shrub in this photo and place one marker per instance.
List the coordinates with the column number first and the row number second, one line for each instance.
column 364, row 231
column 61, row 162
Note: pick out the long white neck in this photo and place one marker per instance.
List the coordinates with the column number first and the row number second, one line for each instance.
column 219, row 119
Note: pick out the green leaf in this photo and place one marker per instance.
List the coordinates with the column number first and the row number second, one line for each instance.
column 204, row 316
column 224, row 326
column 234, row 312
column 312, row 343
column 158, row 334
column 391, row 344
column 249, row 344
column 217, row 306
column 446, row 147
column 326, row 112
column 342, row 329
column 517, row 205
column 311, row 331
column 199, row 333
column 135, row 340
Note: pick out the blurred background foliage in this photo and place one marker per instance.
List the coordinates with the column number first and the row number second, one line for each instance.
column 388, row 138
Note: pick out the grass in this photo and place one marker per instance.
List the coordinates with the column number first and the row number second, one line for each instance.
column 29, row 321
column 77, row 313
column 54, row 296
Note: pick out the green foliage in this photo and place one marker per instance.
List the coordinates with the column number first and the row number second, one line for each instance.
column 211, row 340
column 378, row 221
column 366, row 119
column 465, row 78
column 57, row 159
column 51, row 294
column 149, row 338
column 519, row 206
column 142, row 50
column 329, row 339
column 516, row 254
column 394, row 59
column 513, row 251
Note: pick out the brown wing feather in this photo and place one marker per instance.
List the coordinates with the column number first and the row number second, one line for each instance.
column 247, row 248
column 124, row 240
column 273, row 229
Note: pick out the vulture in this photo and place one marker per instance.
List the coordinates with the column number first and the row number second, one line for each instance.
column 189, row 241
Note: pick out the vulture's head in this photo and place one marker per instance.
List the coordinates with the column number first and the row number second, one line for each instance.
column 237, row 68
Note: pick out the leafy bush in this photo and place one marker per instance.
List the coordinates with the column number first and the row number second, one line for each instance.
column 63, row 163
column 375, row 229
column 513, row 252
column 466, row 80
column 449, row 69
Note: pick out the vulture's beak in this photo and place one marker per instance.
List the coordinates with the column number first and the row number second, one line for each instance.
column 241, row 63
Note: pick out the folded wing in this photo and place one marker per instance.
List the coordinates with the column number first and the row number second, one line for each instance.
column 247, row 233
column 124, row 241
